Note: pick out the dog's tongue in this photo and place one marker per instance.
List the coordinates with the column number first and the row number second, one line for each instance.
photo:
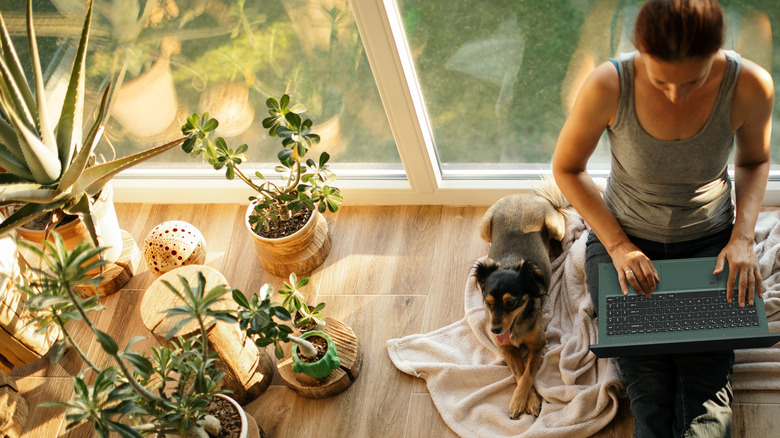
column 503, row 338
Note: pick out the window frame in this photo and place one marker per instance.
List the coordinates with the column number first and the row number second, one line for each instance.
column 381, row 29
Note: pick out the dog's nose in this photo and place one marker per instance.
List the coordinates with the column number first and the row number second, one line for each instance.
column 496, row 330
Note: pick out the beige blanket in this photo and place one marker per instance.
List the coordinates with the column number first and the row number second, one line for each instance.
column 471, row 386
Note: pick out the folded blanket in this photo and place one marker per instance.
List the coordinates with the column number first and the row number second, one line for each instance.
column 758, row 368
column 471, row 386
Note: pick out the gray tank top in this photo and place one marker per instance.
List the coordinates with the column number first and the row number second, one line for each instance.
column 671, row 191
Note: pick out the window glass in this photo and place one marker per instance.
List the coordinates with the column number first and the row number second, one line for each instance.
column 171, row 58
column 500, row 76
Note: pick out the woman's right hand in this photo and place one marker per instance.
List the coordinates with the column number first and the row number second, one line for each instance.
column 635, row 268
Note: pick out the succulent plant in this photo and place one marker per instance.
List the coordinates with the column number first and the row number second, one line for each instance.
column 51, row 166
column 304, row 183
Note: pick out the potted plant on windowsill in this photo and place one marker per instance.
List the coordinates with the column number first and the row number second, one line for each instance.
column 285, row 218
column 51, row 168
column 166, row 393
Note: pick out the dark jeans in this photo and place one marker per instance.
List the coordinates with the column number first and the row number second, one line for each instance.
column 673, row 395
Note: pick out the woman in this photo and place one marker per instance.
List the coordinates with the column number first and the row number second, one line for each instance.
column 672, row 111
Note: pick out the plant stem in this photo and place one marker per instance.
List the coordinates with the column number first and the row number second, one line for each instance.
column 248, row 181
column 75, row 346
column 145, row 393
column 297, row 180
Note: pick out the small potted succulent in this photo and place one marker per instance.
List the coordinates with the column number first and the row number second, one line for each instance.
column 48, row 162
column 313, row 353
column 284, row 217
column 166, row 393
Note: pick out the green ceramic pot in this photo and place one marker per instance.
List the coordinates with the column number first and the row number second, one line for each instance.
column 321, row 368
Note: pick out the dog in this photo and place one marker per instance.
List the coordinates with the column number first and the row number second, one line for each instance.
column 525, row 232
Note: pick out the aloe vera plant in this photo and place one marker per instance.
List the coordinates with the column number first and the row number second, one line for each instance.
column 51, row 166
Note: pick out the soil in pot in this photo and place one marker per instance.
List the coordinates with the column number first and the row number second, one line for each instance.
column 287, row 227
column 41, row 222
column 321, row 344
column 229, row 419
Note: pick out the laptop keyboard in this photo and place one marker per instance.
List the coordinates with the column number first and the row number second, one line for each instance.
column 672, row 311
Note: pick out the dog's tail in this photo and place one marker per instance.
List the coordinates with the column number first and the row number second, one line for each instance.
column 550, row 191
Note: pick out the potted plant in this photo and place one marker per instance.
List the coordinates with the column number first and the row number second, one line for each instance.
column 313, row 353
column 304, row 316
column 51, row 168
column 168, row 392
column 285, row 217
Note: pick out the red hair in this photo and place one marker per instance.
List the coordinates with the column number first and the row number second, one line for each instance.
column 674, row 30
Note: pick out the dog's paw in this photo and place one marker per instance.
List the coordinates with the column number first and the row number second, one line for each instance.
column 516, row 406
column 534, row 404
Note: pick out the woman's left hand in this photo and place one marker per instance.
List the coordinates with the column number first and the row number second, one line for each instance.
column 742, row 260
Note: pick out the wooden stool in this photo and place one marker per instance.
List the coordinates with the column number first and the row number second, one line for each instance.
column 350, row 354
column 13, row 408
column 248, row 370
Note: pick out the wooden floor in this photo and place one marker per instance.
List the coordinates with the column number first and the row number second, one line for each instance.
column 392, row 272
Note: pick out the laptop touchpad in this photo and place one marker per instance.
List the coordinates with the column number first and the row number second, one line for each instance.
column 688, row 274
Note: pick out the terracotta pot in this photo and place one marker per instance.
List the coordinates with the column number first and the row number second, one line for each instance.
column 321, row 368
column 75, row 231
column 300, row 252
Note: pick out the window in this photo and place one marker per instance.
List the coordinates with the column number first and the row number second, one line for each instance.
column 418, row 101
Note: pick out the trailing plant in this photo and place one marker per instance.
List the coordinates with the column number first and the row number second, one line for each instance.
column 137, row 394
column 51, row 167
column 304, row 183
column 260, row 318
column 295, row 302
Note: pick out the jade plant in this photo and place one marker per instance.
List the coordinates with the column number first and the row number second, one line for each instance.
column 264, row 322
column 135, row 394
column 49, row 159
column 304, row 184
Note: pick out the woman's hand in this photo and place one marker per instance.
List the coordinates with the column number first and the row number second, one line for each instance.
column 742, row 260
column 634, row 268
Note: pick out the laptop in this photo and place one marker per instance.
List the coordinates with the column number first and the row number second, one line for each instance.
column 687, row 313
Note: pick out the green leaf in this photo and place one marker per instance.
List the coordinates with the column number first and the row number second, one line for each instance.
column 107, row 342
column 57, row 351
column 240, row 299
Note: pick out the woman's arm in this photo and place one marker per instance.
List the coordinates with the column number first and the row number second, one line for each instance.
column 595, row 109
column 752, row 119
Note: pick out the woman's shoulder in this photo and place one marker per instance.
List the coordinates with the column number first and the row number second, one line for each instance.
column 753, row 97
column 754, row 81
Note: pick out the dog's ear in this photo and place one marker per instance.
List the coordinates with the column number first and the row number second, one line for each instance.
column 483, row 270
column 533, row 272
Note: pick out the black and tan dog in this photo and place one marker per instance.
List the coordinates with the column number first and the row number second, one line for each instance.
column 525, row 232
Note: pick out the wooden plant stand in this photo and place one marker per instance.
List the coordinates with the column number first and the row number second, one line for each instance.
column 117, row 275
column 13, row 408
column 350, row 354
column 248, row 370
